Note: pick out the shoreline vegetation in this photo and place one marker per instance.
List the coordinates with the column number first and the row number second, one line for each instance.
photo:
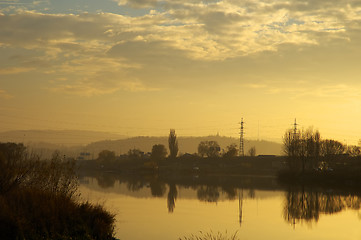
column 308, row 160
column 39, row 199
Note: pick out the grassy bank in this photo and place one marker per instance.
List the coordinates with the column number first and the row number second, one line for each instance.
column 39, row 200
column 33, row 214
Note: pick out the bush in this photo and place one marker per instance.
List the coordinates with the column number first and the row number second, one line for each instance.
column 37, row 200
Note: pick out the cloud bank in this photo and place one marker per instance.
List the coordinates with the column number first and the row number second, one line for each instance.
column 95, row 53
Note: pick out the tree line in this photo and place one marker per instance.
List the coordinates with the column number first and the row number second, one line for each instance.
column 159, row 152
column 306, row 149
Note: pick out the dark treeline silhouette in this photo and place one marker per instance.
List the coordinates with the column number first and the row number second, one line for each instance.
column 186, row 145
column 38, row 199
column 210, row 159
column 313, row 160
column 307, row 150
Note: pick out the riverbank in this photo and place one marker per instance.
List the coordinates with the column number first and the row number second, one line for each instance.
column 337, row 172
column 39, row 200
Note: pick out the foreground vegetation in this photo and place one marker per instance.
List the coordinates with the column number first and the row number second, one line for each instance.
column 211, row 236
column 38, row 199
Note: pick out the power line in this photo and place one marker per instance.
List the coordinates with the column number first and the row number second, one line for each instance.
column 241, row 139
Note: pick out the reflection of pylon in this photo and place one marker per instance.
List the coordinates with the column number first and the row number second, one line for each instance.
column 241, row 140
column 240, row 206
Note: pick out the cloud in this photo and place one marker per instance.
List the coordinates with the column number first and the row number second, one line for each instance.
column 89, row 87
column 308, row 90
column 5, row 95
column 86, row 47
column 15, row 70
column 208, row 31
column 137, row 3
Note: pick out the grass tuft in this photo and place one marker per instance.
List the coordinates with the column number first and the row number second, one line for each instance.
column 211, row 236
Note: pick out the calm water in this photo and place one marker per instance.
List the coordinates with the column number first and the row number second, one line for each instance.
column 153, row 210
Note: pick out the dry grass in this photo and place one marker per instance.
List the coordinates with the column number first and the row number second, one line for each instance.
column 37, row 200
column 211, row 236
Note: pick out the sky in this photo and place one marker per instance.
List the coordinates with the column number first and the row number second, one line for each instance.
column 141, row 67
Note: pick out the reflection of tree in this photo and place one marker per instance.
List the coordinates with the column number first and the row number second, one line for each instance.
column 308, row 205
column 252, row 193
column 172, row 196
column 157, row 188
column 105, row 180
column 208, row 194
column 230, row 191
column 135, row 185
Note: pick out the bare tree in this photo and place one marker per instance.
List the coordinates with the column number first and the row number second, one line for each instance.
column 231, row 151
column 252, row 151
column 302, row 148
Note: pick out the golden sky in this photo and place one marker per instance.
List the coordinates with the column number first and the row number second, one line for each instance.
column 141, row 67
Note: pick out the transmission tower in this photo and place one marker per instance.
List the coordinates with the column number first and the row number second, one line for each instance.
column 241, row 139
column 295, row 128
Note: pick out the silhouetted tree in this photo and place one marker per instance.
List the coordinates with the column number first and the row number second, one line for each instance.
column 332, row 147
column 209, row 149
column 159, row 152
column 252, row 151
column 173, row 144
column 353, row 151
column 231, row 151
column 14, row 165
column 106, row 157
column 135, row 153
column 302, row 148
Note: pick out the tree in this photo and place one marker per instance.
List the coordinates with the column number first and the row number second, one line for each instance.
column 302, row 148
column 231, row 151
column 354, row 151
column 106, row 157
column 14, row 166
column 159, row 152
column 209, row 149
column 173, row 144
column 252, row 151
column 135, row 153
column 332, row 147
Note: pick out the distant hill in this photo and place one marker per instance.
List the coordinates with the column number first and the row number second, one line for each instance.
column 186, row 144
column 72, row 142
column 58, row 137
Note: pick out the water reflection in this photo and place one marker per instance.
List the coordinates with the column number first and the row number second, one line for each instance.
column 307, row 205
column 105, row 180
column 208, row 193
column 157, row 188
column 172, row 197
column 300, row 204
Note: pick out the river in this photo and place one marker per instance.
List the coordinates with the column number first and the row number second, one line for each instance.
column 155, row 210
